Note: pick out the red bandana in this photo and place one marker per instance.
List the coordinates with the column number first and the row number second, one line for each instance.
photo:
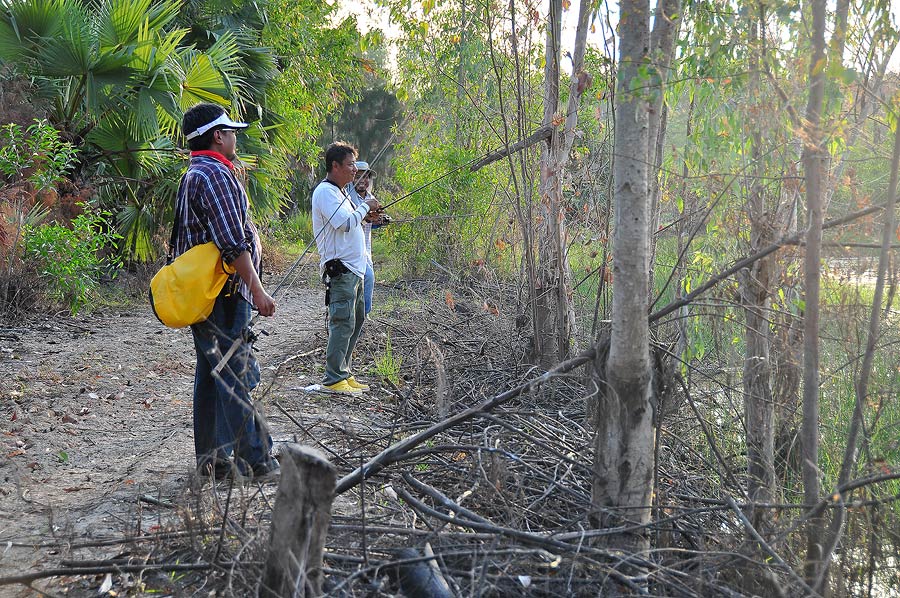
column 214, row 156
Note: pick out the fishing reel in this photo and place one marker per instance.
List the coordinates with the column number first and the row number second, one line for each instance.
column 378, row 218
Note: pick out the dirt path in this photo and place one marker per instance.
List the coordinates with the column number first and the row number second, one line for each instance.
column 96, row 414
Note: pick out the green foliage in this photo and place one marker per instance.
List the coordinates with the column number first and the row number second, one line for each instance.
column 368, row 123
column 36, row 154
column 69, row 259
column 119, row 74
column 320, row 69
column 387, row 365
column 840, row 353
column 295, row 228
column 464, row 197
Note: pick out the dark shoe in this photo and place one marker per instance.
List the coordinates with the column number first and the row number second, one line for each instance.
column 266, row 471
column 218, row 471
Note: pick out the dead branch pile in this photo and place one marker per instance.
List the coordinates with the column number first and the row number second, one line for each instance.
column 497, row 505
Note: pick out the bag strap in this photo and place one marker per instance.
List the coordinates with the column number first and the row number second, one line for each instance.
column 176, row 224
column 173, row 237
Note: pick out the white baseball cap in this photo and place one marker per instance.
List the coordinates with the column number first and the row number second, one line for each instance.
column 223, row 121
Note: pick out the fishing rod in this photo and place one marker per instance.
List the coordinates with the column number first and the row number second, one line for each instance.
column 396, row 201
column 237, row 343
column 433, row 217
column 433, row 181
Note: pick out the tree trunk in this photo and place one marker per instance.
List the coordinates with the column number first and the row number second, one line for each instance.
column 759, row 411
column 662, row 43
column 624, row 440
column 554, row 313
column 546, row 344
column 813, row 158
column 461, row 72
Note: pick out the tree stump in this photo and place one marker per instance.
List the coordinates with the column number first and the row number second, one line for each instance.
column 299, row 524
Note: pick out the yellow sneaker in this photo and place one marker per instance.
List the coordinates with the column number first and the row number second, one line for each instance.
column 341, row 388
column 357, row 385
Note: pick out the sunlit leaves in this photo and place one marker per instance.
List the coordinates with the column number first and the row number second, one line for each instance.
column 203, row 83
column 120, row 21
column 838, row 72
column 819, row 66
column 136, row 222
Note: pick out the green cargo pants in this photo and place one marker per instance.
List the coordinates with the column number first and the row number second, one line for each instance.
column 346, row 313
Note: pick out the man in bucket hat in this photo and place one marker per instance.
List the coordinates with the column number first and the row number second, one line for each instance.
column 360, row 190
column 213, row 206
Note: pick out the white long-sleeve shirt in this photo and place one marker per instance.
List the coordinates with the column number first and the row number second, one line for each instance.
column 340, row 222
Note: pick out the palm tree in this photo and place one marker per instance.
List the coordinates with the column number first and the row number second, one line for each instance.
column 118, row 75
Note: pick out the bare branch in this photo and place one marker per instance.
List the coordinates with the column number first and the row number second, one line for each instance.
column 540, row 134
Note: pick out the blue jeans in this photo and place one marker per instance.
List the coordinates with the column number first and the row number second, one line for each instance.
column 346, row 314
column 225, row 419
column 369, row 287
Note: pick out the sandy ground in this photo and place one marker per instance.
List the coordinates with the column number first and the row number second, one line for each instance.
column 96, row 423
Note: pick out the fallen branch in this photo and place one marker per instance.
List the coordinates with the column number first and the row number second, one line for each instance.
column 155, row 501
column 534, row 539
column 464, row 514
column 397, row 451
column 111, row 541
column 27, row 578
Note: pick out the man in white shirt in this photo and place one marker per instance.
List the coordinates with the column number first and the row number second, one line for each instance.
column 341, row 241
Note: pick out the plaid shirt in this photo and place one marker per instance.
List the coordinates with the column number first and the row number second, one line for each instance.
column 213, row 206
column 367, row 226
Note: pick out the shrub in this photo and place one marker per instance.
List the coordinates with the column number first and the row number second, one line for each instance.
column 70, row 259
column 36, row 154
column 387, row 364
column 294, row 228
column 21, row 289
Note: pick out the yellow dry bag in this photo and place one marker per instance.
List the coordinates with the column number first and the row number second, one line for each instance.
column 184, row 292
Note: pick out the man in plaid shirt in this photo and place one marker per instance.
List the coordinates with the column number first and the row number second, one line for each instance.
column 213, row 206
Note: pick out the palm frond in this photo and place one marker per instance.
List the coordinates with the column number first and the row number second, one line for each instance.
column 162, row 13
column 118, row 22
column 136, row 225
column 225, row 54
column 202, row 83
column 25, row 25
column 158, row 159
column 71, row 49
column 169, row 122
column 142, row 117
column 111, row 137
column 155, row 49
